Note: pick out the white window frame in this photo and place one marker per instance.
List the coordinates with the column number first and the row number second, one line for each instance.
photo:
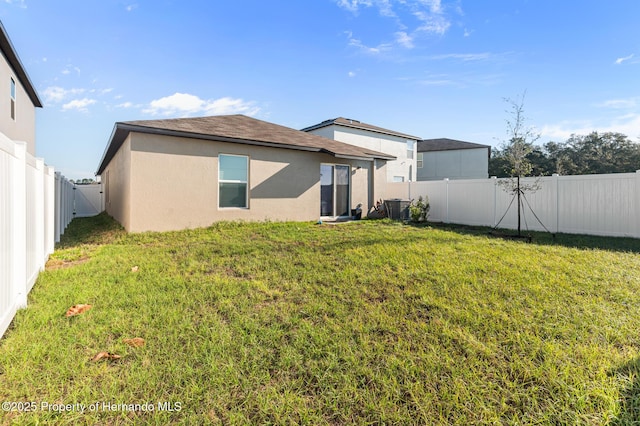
column 411, row 146
column 246, row 182
column 420, row 160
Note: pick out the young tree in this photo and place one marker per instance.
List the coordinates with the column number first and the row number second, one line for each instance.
column 516, row 151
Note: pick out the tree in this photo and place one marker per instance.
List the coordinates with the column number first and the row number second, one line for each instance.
column 608, row 152
column 517, row 149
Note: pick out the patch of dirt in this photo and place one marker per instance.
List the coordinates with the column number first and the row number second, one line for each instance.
column 53, row 264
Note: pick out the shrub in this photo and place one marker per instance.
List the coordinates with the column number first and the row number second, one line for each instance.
column 419, row 210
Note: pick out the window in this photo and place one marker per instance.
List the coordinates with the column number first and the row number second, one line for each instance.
column 398, row 178
column 233, row 173
column 13, row 99
column 419, row 163
column 410, row 147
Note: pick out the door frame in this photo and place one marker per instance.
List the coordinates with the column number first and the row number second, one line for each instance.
column 334, row 198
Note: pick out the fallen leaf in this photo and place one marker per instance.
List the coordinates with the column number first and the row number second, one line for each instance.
column 77, row 309
column 134, row 269
column 105, row 355
column 136, row 342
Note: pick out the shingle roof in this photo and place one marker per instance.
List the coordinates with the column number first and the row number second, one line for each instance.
column 12, row 57
column 444, row 144
column 236, row 129
column 347, row 122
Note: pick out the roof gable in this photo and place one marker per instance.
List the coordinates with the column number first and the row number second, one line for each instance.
column 236, row 129
column 445, row 144
column 14, row 61
column 355, row 124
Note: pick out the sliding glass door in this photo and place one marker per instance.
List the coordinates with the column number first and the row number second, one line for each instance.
column 334, row 190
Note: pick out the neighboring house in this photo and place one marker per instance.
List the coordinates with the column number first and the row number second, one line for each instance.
column 173, row 174
column 399, row 145
column 19, row 99
column 448, row 158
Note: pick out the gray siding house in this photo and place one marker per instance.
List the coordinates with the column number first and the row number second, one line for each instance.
column 453, row 159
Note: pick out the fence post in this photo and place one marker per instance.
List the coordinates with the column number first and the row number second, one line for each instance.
column 56, row 207
column 50, row 212
column 39, row 214
column 556, row 186
column 494, row 179
column 19, row 231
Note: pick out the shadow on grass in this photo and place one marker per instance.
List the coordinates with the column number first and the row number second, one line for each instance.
column 100, row 229
column 543, row 238
column 630, row 396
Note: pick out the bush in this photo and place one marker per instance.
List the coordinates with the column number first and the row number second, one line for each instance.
column 419, row 210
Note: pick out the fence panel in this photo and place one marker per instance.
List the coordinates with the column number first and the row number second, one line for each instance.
column 586, row 204
column 598, row 204
column 88, row 200
column 36, row 205
column 10, row 160
column 35, row 245
column 471, row 201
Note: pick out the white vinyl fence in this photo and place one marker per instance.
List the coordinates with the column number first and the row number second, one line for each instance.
column 606, row 205
column 36, row 205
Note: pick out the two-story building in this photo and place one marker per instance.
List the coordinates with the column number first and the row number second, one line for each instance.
column 399, row 145
column 18, row 95
column 452, row 159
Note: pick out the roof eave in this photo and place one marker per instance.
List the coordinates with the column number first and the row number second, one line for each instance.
column 126, row 128
column 13, row 59
column 381, row 131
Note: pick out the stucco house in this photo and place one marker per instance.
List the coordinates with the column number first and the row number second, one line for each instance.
column 19, row 97
column 453, row 159
column 397, row 144
column 172, row 174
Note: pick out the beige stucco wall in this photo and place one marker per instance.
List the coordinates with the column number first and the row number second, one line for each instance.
column 23, row 128
column 116, row 181
column 160, row 183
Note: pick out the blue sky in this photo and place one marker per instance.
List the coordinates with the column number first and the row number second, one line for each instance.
column 430, row 68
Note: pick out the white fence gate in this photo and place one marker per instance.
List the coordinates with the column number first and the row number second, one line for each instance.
column 36, row 205
column 88, row 200
column 606, row 205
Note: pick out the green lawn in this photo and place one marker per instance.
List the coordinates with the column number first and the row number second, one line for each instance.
column 369, row 322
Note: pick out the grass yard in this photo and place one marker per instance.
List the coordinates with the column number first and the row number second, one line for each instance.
column 369, row 322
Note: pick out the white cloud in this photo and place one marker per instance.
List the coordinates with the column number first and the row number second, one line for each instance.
column 184, row 104
column 19, row 3
column 56, row 94
column 465, row 57
column 628, row 124
column 353, row 5
column 404, row 39
column 620, row 103
column 431, row 16
column 125, row 105
column 78, row 104
column 434, row 22
column 131, row 7
column 626, row 58
column 351, row 74
column 354, row 42
column 69, row 68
